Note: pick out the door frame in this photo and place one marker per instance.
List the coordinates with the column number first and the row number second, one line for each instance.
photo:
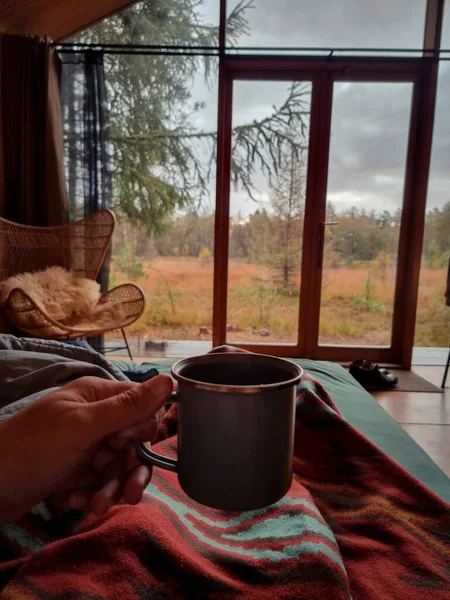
column 322, row 72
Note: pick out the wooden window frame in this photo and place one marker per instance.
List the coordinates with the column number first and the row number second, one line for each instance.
column 322, row 72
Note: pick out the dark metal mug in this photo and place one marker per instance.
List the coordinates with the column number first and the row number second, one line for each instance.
column 236, row 422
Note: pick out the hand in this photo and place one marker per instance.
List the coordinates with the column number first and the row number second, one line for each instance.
column 77, row 441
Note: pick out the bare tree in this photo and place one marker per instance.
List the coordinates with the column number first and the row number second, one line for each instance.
column 287, row 202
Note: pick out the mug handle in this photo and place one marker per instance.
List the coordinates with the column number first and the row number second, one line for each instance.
column 152, row 458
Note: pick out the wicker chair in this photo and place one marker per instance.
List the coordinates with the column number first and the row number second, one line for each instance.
column 79, row 247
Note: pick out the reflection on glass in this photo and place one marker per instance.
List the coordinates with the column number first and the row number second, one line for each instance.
column 369, row 135
column 163, row 137
column 445, row 38
column 166, row 22
column 271, row 131
column 337, row 23
column 433, row 316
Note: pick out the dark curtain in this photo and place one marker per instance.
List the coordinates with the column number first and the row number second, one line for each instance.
column 86, row 143
column 32, row 183
column 86, row 138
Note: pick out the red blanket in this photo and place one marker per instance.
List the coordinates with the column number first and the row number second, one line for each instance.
column 353, row 525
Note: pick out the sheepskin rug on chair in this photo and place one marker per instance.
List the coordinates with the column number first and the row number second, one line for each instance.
column 70, row 300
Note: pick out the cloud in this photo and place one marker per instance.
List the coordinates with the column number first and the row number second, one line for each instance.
column 370, row 123
column 344, row 23
column 369, row 135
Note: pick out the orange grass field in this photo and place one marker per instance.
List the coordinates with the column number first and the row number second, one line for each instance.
column 354, row 310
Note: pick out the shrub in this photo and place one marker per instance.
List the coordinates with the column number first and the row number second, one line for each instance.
column 204, row 256
column 127, row 263
column 368, row 301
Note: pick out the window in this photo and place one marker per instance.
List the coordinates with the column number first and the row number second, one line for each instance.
column 433, row 316
column 335, row 23
column 366, row 174
column 282, row 277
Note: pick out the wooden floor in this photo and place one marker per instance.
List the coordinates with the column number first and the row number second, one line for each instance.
column 426, row 417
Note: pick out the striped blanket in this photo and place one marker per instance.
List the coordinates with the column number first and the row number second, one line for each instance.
column 353, row 525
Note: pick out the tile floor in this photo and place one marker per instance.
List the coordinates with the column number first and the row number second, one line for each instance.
column 426, row 417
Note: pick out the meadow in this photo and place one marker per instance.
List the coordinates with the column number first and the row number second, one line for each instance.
column 356, row 306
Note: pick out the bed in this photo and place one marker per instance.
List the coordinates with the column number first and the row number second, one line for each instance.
column 367, row 516
column 365, row 414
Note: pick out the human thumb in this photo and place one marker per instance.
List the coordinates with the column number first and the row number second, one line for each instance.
column 128, row 408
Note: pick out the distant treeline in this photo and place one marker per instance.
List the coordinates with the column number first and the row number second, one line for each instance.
column 265, row 238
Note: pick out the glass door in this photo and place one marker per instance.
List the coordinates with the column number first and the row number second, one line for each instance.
column 365, row 223
column 270, row 128
column 314, row 259
column 364, row 203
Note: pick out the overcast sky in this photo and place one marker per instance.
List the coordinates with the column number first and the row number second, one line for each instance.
column 370, row 121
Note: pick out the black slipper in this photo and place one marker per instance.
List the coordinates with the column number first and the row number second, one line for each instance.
column 370, row 376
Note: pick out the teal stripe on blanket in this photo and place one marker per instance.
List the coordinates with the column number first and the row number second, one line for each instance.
column 292, row 551
column 16, row 534
column 283, row 526
column 244, row 516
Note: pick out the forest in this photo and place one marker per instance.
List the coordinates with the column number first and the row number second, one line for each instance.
column 272, row 239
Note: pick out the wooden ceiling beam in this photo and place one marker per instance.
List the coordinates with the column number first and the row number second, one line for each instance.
column 57, row 19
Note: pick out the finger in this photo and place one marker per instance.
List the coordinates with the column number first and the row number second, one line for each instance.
column 87, row 479
column 79, row 499
column 128, row 408
column 93, row 389
column 110, row 491
column 104, row 457
column 113, row 467
column 117, row 441
column 136, row 483
column 132, row 460
column 130, row 489
column 106, row 497
column 142, row 432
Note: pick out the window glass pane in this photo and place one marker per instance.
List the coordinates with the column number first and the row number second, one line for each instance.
column 445, row 38
column 369, row 137
column 163, row 116
column 336, row 23
column 160, row 22
column 271, row 133
column 163, row 130
column 433, row 316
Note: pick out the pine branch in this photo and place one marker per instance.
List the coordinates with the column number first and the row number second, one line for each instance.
column 255, row 146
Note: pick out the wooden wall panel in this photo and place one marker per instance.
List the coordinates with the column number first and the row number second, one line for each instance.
column 56, row 18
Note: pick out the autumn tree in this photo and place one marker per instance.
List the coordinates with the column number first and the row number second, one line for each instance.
column 287, row 201
column 436, row 243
